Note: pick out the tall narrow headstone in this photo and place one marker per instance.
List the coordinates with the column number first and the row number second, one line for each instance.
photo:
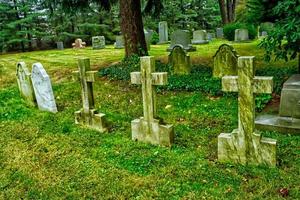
column 241, row 35
column 60, row 45
column 245, row 145
column 163, row 32
column 43, row 88
column 147, row 128
column 148, row 38
column 119, row 44
column 200, row 37
column 88, row 115
column 180, row 60
column 220, row 33
column 25, row 84
column 183, row 38
column 34, row 43
column 98, row 42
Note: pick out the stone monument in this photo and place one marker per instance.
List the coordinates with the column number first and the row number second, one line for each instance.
column 245, row 145
column 220, row 33
column 88, row 116
column 181, row 37
column 98, row 42
column 78, row 44
column 288, row 120
column 200, row 37
column 241, row 35
column 25, row 84
column 147, row 128
column 148, row 38
column 60, row 45
column 42, row 88
column 180, row 60
column 119, row 44
column 163, row 32
column 225, row 61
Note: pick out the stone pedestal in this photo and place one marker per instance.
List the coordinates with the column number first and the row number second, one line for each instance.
column 92, row 119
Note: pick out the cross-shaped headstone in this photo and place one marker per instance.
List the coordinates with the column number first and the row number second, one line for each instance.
column 147, row 128
column 88, row 115
column 245, row 145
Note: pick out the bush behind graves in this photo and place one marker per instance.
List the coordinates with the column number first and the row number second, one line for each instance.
column 229, row 30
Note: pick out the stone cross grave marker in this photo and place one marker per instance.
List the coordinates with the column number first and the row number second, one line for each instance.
column 181, row 37
column 98, row 42
column 241, row 35
column 180, row 60
column 147, row 128
column 78, row 44
column 225, row 61
column 119, row 44
column 42, row 88
column 25, row 84
column 245, row 145
column 88, row 116
column 163, row 32
column 200, row 37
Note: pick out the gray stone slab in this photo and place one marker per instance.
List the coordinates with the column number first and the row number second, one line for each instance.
column 200, row 37
column 98, row 42
column 60, row 45
column 241, row 35
column 183, row 38
column 163, row 32
column 119, row 44
column 220, row 33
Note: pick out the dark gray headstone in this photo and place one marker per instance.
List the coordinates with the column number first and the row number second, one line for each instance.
column 60, row 45
column 220, row 33
column 181, row 37
column 98, row 42
column 119, row 44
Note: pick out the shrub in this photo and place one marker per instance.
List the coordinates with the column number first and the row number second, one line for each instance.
column 155, row 38
column 229, row 30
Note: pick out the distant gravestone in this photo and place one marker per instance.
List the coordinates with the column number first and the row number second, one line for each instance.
column 180, row 60
column 210, row 36
column 43, row 88
column 199, row 37
column 98, row 42
column 147, row 128
column 264, row 33
column 60, row 45
column 148, row 38
column 241, row 35
column 220, row 33
column 119, row 44
column 245, row 145
column 225, row 61
column 78, row 44
column 88, row 116
column 163, row 32
column 25, row 84
column 34, row 42
column 181, row 37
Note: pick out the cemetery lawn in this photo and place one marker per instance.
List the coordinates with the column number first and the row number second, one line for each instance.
column 47, row 156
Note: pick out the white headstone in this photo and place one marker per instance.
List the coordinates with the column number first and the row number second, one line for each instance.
column 43, row 88
column 163, row 32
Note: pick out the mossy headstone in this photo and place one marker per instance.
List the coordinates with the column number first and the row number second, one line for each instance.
column 98, row 42
column 241, row 35
column 183, row 38
column 200, row 37
column 180, row 60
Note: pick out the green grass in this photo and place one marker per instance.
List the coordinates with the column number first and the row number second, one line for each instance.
column 47, row 156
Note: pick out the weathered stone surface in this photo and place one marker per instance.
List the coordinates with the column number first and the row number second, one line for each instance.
column 43, row 89
column 163, row 32
column 34, row 43
column 98, row 42
column 119, row 44
column 241, row 35
column 25, row 84
column 60, row 45
column 181, row 37
column 180, row 60
column 225, row 61
column 78, row 44
column 245, row 145
column 148, row 38
column 88, row 116
column 220, row 33
column 200, row 37
column 147, row 128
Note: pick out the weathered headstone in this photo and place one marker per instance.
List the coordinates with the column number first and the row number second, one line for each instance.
column 181, row 37
column 88, row 116
column 245, row 145
column 42, row 88
column 241, row 35
column 119, row 44
column 163, row 32
column 220, row 33
column 199, row 37
column 147, row 128
column 210, row 36
column 148, row 38
column 225, row 61
column 34, row 43
column 60, row 45
column 264, row 33
column 78, row 44
column 98, row 42
column 288, row 120
column 25, row 84
column 180, row 60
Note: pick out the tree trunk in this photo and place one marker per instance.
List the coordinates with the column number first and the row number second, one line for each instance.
column 132, row 27
column 222, row 5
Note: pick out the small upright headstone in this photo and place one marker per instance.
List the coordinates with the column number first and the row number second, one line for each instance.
column 43, row 88
column 220, row 33
column 163, row 32
column 241, row 35
column 25, row 84
column 183, row 38
column 78, row 44
column 60, row 45
column 245, row 145
column 210, row 36
column 34, row 44
column 148, row 38
column 119, row 44
column 199, row 37
column 88, row 115
column 98, row 42
column 147, row 128
column 225, row 61
column 180, row 60
column 264, row 34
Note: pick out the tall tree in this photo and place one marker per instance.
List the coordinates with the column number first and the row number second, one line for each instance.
column 227, row 9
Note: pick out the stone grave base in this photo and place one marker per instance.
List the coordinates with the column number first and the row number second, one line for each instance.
column 264, row 150
column 277, row 123
column 200, row 41
column 188, row 49
column 153, row 133
column 92, row 120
